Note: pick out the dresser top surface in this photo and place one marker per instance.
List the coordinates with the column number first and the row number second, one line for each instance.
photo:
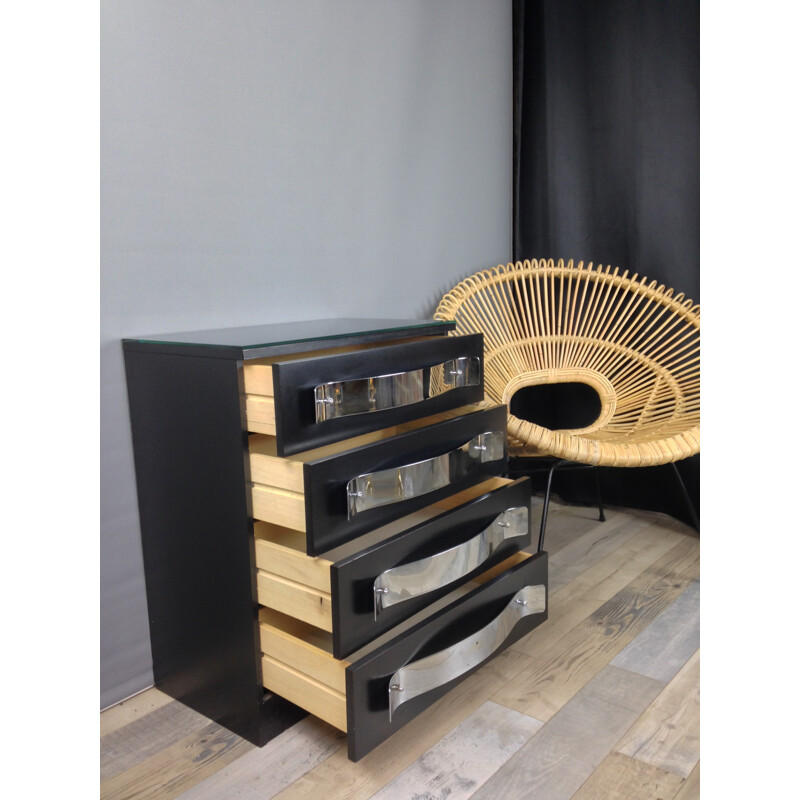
column 285, row 337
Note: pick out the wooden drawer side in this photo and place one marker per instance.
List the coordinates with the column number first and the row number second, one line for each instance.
column 297, row 664
column 297, row 688
column 281, row 551
column 295, row 599
column 286, row 509
column 301, row 647
column 260, row 413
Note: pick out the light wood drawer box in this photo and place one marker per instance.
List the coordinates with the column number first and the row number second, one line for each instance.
column 310, row 491
column 365, row 388
column 364, row 588
column 435, row 651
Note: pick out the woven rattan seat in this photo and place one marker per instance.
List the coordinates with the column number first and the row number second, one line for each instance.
column 636, row 343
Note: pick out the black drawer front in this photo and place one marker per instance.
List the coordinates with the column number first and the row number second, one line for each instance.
column 294, row 382
column 326, row 480
column 358, row 614
column 369, row 679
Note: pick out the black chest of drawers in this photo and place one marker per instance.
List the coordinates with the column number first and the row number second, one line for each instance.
column 325, row 521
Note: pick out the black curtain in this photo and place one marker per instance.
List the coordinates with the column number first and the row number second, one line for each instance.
column 606, row 165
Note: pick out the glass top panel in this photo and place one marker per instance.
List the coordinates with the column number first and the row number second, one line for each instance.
column 284, row 333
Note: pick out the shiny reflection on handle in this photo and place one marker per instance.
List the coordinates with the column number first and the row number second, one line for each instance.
column 463, row 371
column 412, row 480
column 420, row 577
column 439, row 668
column 363, row 395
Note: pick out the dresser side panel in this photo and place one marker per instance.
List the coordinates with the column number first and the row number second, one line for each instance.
column 196, row 533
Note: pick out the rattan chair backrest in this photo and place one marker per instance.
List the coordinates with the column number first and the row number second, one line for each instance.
column 636, row 343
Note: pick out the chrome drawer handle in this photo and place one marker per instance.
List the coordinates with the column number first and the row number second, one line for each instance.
column 437, row 669
column 344, row 398
column 420, row 577
column 412, row 480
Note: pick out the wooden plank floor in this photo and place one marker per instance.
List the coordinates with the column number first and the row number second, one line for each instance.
column 601, row 702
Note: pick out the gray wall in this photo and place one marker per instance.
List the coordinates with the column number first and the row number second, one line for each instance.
column 271, row 160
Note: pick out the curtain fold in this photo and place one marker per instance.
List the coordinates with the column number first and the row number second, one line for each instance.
column 606, row 163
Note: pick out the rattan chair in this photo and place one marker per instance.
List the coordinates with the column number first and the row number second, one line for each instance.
column 632, row 341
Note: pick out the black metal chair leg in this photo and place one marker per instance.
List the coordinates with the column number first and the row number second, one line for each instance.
column 602, row 516
column 546, row 505
column 686, row 499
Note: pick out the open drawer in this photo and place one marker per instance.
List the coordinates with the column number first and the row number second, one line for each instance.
column 364, row 588
column 340, row 492
column 392, row 680
column 311, row 400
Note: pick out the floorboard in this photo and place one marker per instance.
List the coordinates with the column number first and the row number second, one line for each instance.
column 668, row 734
column 669, row 642
column 584, row 551
column 146, row 737
column 577, row 600
column 466, row 757
column 573, row 743
column 265, row 771
column 619, row 777
column 178, row 767
column 136, row 707
column 691, row 786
